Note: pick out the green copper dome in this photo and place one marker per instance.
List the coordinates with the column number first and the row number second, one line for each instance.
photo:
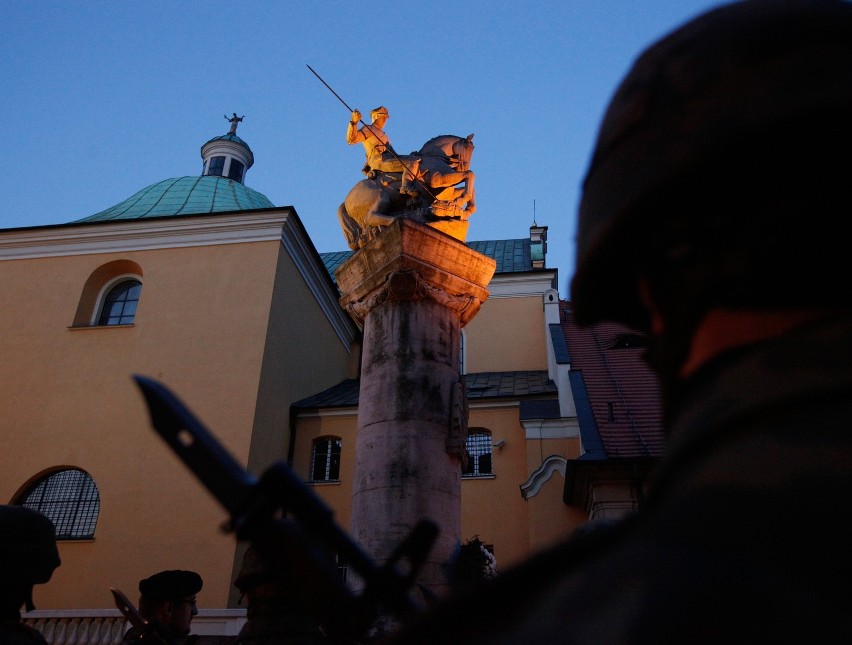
column 219, row 189
column 185, row 196
column 230, row 137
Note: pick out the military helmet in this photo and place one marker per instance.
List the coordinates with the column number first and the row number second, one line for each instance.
column 28, row 551
column 724, row 153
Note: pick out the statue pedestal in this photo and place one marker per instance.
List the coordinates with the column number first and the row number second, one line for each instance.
column 413, row 288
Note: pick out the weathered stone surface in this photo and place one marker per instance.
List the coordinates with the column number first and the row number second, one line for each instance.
column 445, row 267
column 413, row 288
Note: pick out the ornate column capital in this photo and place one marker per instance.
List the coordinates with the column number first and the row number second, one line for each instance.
column 412, row 261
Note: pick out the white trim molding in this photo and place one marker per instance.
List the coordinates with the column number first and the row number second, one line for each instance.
column 564, row 428
column 512, row 285
column 122, row 236
column 551, row 464
column 118, row 236
column 315, row 275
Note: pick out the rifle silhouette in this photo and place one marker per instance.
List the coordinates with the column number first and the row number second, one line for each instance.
column 292, row 528
column 147, row 631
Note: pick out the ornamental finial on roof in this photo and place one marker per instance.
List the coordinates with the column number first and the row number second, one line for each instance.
column 234, row 121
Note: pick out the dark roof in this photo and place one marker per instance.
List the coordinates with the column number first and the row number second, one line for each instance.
column 484, row 385
column 342, row 395
column 616, row 393
column 490, row 385
column 539, row 409
column 560, row 347
column 512, row 256
column 333, row 260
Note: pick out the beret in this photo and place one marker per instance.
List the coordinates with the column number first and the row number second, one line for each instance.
column 168, row 585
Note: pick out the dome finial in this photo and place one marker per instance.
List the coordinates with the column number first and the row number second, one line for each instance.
column 234, row 121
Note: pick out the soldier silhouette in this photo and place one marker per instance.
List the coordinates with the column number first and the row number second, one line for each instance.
column 28, row 557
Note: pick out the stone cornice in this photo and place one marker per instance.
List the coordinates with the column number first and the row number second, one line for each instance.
column 122, row 236
column 562, row 428
column 411, row 261
column 410, row 285
column 512, row 285
column 142, row 234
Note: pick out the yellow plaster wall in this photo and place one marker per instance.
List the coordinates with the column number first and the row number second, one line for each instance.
column 506, row 335
column 303, row 356
column 68, row 400
column 492, row 507
column 337, row 496
column 551, row 520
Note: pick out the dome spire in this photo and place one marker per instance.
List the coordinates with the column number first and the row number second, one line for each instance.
column 227, row 155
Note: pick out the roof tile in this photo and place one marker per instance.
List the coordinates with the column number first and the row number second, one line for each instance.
column 623, row 395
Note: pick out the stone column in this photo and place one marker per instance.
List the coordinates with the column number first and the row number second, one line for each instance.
column 413, row 288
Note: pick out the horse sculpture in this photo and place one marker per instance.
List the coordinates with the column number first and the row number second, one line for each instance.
column 445, row 195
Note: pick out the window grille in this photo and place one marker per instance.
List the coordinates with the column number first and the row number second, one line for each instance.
column 70, row 499
column 478, row 448
column 325, row 459
column 120, row 304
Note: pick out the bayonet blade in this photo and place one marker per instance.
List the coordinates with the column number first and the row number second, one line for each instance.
column 129, row 611
column 217, row 470
column 148, row 631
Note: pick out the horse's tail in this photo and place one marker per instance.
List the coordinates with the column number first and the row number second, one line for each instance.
column 351, row 230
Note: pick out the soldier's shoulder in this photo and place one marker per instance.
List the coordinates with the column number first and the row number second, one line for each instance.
column 13, row 632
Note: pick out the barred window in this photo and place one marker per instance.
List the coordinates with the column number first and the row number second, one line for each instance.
column 120, row 304
column 70, row 499
column 478, row 448
column 325, row 459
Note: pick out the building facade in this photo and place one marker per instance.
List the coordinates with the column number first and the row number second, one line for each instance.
column 204, row 285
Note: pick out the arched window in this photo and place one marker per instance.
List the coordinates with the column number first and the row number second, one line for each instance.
column 98, row 289
column 478, row 446
column 70, row 499
column 119, row 306
column 325, row 459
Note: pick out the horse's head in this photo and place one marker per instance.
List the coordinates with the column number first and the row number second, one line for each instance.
column 462, row 152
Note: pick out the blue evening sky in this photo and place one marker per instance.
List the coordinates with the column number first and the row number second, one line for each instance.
column 104, row 98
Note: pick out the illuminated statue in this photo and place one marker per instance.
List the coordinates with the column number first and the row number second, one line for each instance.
column 380, row 153
column 440, row 191
column 425, row 186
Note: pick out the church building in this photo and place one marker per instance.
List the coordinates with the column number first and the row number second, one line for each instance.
column 203, row 284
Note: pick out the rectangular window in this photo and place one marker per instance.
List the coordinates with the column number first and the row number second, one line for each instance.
column 478, row 446
column 216, row 166
column 235, row 172
column 325, row 460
